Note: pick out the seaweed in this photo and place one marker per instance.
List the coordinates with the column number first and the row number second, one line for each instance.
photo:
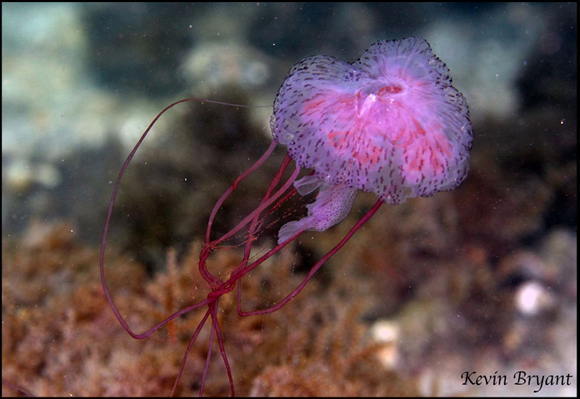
column 60, row 337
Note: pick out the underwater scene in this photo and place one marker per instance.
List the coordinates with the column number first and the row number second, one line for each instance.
column 400, row 207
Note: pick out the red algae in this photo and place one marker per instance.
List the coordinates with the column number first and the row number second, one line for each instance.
column 66, row 341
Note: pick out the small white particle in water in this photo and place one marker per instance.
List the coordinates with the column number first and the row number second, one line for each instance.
column 388, row 333
column 385, row 331
column 531, row 297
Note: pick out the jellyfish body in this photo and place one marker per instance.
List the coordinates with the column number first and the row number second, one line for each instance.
column 390, row 123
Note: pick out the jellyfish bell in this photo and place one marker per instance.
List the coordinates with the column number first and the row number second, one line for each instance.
column 390, row 123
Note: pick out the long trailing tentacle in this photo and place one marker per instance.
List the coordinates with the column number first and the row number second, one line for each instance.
column 189, row 346
column 211, row 302
column 211, row 311
column 216, row 327
column 234, row 185
column 209, row 246
column 260, row 208
column 314, row 269
column 17, row 388
column 108, row 221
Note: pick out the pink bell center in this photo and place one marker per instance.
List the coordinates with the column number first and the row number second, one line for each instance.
column 369, row 117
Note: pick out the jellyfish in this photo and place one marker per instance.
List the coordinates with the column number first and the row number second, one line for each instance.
column 391, row 123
